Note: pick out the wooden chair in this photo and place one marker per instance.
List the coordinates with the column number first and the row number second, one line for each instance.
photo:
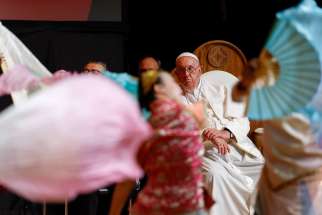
column 220, row 55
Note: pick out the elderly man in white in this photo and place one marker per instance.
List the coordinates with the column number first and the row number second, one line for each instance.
column 232, row 164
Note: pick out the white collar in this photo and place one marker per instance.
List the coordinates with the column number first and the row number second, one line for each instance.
column 194, row 96
column 195, row 91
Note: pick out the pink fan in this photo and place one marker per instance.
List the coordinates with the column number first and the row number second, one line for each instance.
column 73, row 137
column 16, row 79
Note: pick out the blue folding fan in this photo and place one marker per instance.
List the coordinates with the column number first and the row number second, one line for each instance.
column 129, row 83
column 295, row 46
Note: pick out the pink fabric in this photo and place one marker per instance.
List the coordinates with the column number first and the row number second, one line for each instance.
column 73, row 137
column 17, row 78
column 58, row 76
column 172, row 160
column 20, row 78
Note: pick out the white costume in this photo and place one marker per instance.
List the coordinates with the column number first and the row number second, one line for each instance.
column 291, row 182
column 230, row 178
column 15, row 52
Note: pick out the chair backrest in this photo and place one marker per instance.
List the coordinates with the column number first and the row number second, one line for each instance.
column 222, row 78
column 218, row 77
column 221, row 55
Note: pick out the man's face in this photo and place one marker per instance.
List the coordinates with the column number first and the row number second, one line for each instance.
column 94, row 68
column 188, row 73
column 148, row 64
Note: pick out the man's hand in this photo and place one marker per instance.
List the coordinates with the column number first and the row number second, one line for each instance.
column 221, row 145
column 219, row 138
column 212, row 133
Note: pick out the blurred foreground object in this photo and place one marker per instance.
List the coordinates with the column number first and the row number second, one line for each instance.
column 74, row 137
column 287, row 75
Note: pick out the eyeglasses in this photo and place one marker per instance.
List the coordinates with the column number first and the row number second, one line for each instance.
column 145, row 70
column 190, row 69
column 92, row 71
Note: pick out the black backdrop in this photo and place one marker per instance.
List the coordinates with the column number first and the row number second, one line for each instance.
column 165, row 29
column 69, row 45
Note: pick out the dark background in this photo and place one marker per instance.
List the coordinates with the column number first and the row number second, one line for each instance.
column 157, row 27
column 167, row 29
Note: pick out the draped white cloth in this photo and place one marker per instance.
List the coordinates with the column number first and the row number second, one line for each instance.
column 14, row 52
column 231, row 179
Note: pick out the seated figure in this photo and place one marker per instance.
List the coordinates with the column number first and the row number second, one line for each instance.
column 232, row 164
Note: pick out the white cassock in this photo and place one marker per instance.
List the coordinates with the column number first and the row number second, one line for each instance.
column 231, row 179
